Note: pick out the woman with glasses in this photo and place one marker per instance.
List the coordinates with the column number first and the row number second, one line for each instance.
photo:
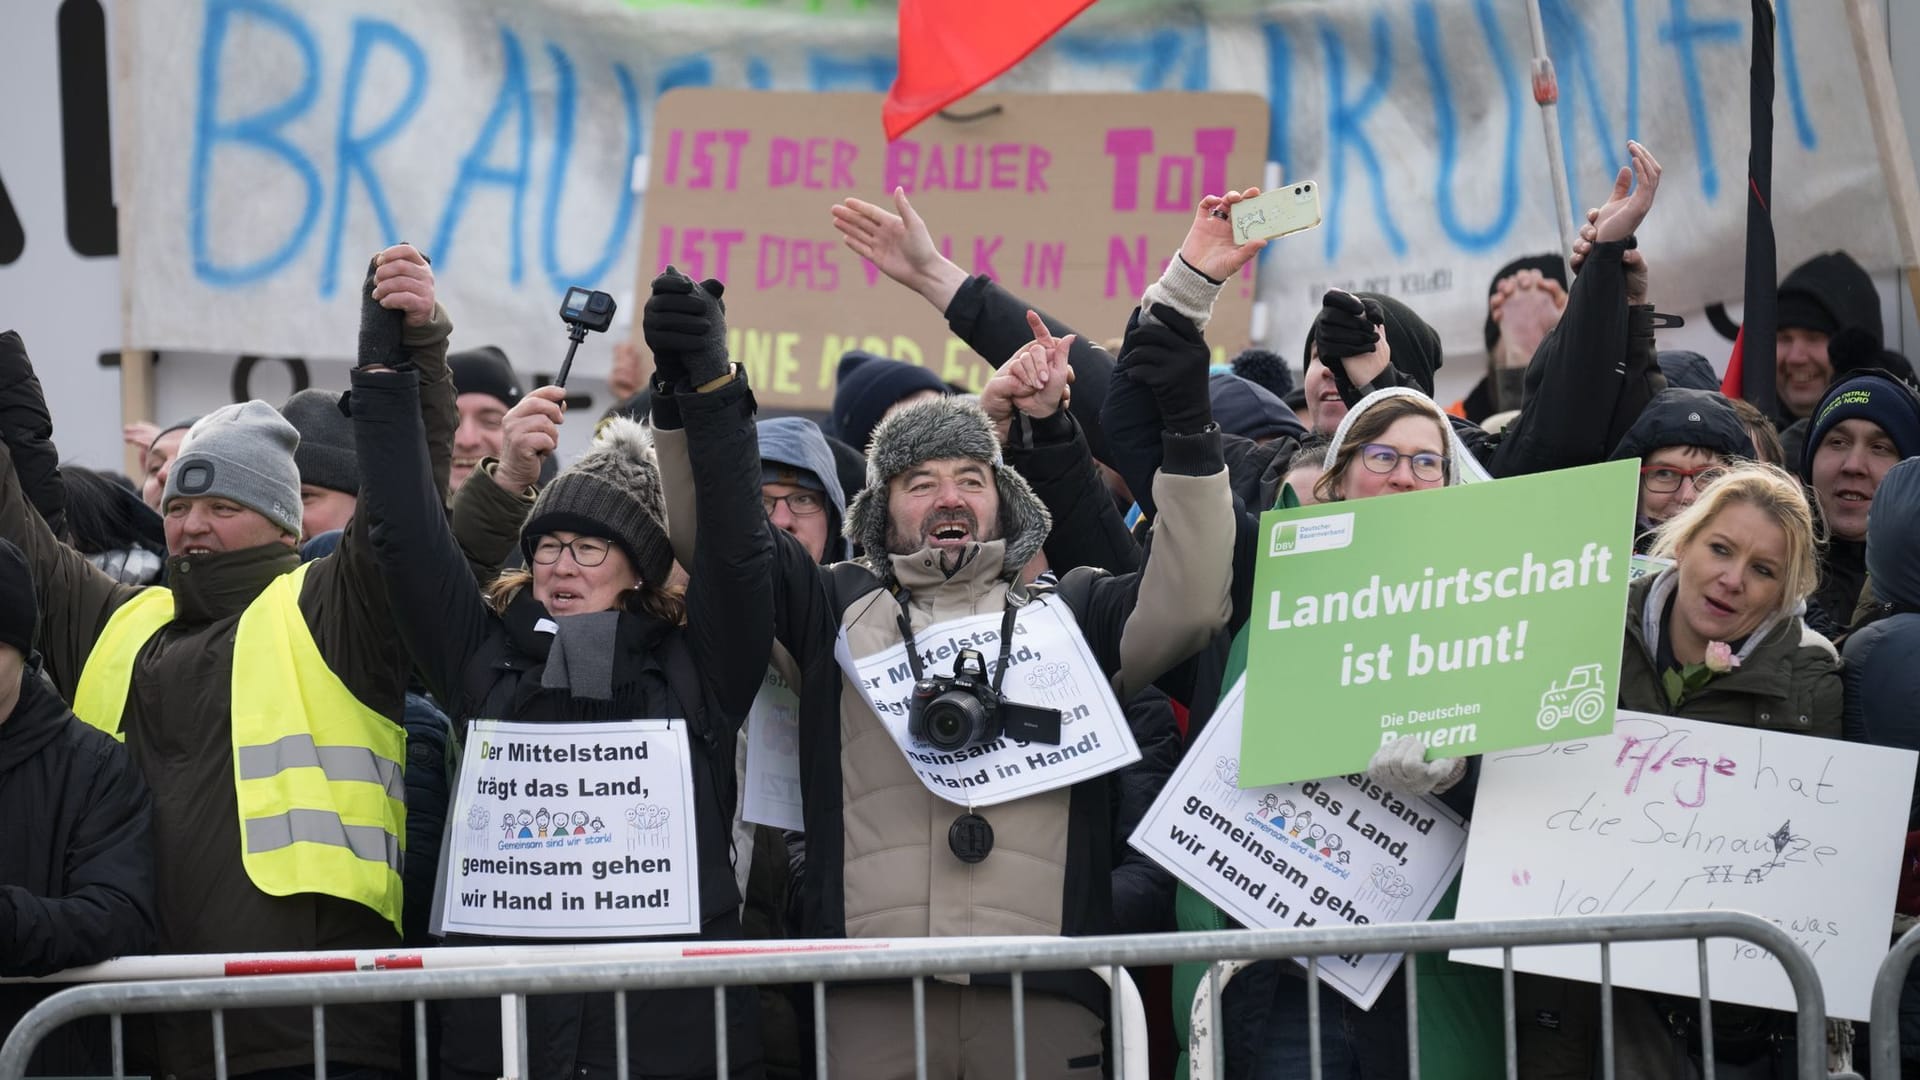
column 1685, row 440
column 1395, row 440
column 590, row 631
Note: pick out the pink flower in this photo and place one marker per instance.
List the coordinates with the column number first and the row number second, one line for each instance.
column 1720, row 658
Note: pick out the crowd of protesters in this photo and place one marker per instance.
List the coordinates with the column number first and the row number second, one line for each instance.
column 340, row 586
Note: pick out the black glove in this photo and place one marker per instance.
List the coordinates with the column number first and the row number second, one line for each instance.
column 1348, row 326
column 1166, row 354
column 380, row 330
column 686, row 327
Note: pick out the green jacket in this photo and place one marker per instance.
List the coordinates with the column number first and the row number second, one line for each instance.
column 1789, row 680
column 179, row 734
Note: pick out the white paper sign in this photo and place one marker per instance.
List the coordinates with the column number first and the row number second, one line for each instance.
column 1667, row 814
column 1338, row 850
column 1049, row 665
column 572, row 831
column 772, row 792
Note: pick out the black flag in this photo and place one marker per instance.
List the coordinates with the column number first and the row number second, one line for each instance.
column 1760, row 323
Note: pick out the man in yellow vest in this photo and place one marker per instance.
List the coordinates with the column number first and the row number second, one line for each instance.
column 259, row 698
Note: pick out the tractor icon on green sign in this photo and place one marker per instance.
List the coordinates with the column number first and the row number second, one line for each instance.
column 1583, row 697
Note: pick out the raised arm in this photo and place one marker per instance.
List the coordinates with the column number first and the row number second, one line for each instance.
column 1587, row 375
column 991, row 320
column 76, row 599
column 730, row 592
column 29, row 433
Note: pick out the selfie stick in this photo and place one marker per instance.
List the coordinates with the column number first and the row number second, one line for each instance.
column 575, row 334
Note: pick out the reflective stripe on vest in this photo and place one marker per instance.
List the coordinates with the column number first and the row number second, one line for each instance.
column 102, row 695
column 318, row 776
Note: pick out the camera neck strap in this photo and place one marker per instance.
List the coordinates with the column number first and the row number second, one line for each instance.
column 1016, row 599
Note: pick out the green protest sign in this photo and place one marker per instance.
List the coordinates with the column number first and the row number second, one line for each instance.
column 1477, row 618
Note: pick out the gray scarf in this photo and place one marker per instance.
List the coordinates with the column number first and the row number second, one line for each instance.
column 581, row 659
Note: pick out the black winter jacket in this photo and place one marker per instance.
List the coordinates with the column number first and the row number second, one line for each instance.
column 481, row 664
column 76, row 863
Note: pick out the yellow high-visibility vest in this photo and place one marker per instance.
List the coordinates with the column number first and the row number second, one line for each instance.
column 318, row 775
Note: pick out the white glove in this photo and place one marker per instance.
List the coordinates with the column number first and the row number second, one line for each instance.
column 1402, row 766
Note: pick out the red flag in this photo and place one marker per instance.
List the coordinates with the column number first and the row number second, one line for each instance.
column 949, row 48
column 1734, row 379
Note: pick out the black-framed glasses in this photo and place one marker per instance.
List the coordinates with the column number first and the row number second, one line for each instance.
column 587, row 550
column 799, row 503
column 1383, row 459
column 1665, row 479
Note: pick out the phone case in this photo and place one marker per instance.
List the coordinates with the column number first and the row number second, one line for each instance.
column 1286, row 209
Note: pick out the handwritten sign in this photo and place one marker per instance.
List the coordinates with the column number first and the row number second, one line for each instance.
column 1370, row 624
column 1049, row 665
column 1075, row 201
column 1344, row 849
column 770, row 794
column 274, row 145
column 572, row 831
column 1667, row 814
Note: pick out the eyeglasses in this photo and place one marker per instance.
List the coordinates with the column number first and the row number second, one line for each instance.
column 586, row 550
column 1383, row 459
column 799, row 504
column 1665, row 479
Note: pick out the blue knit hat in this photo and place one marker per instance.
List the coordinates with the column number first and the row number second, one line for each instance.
column 1869, row 395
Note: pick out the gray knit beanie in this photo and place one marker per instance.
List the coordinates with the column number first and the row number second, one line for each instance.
column 325, row 456
column 613, row 492
column 244, row 453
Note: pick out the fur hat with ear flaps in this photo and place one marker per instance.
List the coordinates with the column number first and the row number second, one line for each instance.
column 612, row 492
column 930, row 431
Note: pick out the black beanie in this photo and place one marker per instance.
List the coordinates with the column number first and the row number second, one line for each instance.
column 1263, row 367
column 866, row 386
column 1869, row 395
column 325, row 456
column 485, row 370
column 1551, row 266
column 18, row 610
column 1830, row 293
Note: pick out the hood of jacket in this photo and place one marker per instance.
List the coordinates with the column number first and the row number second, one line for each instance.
column 1681, row 417
column 1466, row 468
column 1414, row 344
column 1893, row 536
column 1245, row 408
column 37, row 719
column 929, row 431
column 1831, row 293
column 798, row 443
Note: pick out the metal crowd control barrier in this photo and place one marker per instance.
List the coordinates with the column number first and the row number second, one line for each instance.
column 1206, row 1058
column 1887, row 986
column 217, row 984
column 424, row 976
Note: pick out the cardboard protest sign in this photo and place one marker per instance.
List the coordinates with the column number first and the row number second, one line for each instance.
column 1074, row 201
column 1665, row 814
column 1466, row 616
column 572, row 831
column 1048, row 665
column 1340, row 849
column 771, row 791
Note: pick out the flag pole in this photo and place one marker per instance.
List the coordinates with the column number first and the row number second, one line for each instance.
column 1546, row 94
column 1889, row 134
column 1759, row 321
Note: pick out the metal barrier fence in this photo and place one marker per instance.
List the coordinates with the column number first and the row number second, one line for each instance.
column 919, row 959
column 1887, row 985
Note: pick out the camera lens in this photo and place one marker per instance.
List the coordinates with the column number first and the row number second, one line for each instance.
column 953, row 720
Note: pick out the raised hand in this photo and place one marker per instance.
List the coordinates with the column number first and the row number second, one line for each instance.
column 1527, row 305
column 686, row 327
column 1633, row 192
column 1037, row 380
column 1167, row 354
column 1633, row 262
column 899, row 245
column 530, row 432
column 403, row 282
column 1209, row 246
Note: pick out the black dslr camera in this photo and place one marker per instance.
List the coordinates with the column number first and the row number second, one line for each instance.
column 949, row 712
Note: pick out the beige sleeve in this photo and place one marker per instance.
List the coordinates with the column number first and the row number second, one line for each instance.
column 1185, row 592
column 676, row 482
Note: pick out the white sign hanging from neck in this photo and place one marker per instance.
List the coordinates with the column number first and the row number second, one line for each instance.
column 572, row 831
column 1048, row 665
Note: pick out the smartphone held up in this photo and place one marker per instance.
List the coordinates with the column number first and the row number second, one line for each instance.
column 1287, row 209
